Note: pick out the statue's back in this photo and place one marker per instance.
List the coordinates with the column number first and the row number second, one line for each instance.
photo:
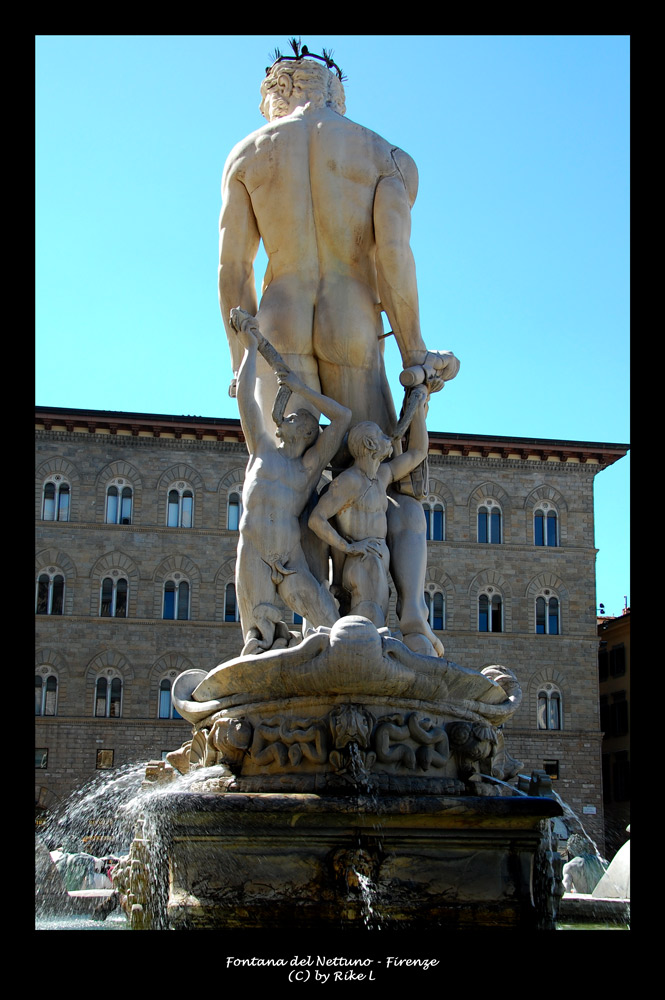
column 312, row 177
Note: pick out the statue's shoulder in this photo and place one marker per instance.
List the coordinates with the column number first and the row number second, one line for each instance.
column 245, row 150
column 349, row 483
column 408, row 171
column 392, row 159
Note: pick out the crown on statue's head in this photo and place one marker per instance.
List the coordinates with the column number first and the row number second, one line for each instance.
column 302, row 52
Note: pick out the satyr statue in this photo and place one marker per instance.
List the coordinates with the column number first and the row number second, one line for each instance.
column 281, row 476
column 331, row 202
column 357, row 501
column 584, row 869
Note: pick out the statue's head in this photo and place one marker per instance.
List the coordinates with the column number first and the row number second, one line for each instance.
column 301, row 426
column 579, row 845
column 291, row 83
column 367, row 438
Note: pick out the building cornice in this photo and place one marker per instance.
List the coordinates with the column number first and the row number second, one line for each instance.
column 150, row 425
column 228, row 430
column 599, row 454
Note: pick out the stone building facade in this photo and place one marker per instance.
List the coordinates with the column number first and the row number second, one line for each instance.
column 136, row 518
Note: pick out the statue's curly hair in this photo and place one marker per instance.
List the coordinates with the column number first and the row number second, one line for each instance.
column 311, row 79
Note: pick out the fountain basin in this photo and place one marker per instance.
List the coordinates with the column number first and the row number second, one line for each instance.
column 582, row 907
column 298, row 861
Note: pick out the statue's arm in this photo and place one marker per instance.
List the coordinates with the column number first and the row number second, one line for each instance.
column 339, row 495
column 396, row 269
column 331, row 437
column 405, row 463
column 317, row 457
column 251, row 418
column 239, row 240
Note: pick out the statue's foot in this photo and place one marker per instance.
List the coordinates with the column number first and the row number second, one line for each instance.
column 277, row 637
column 419, row 643
column 416, row 633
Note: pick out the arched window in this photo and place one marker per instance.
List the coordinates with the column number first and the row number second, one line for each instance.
column 234, row 512
column 435, row 519
column 436, row 610
column 166, row 707
column 46, row 694
column 119, row 499
column 230, row 604
column 50, row 593
column 176, row 600
column 550, row 714
column 547, row 614
column 114, row 597
column 489, row 522
column 490, row 611
column 56, row 498
column 180, row 506
column 108, row 697
column 545, row 525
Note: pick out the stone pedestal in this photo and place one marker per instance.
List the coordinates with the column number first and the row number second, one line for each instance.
column 297, row 862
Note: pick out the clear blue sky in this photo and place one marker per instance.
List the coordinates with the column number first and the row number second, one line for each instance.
column 520, row 229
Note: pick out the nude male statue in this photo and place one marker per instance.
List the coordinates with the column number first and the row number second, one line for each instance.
column 278, row 484
column 357, row 502
column 331, row 201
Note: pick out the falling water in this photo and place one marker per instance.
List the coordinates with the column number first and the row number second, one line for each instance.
column 571, row 814
column 92, row 819
column 92, row 822
column 513, row 789
column 371, row 919
column 367, row 857
column 102, row 819
column 358, row 772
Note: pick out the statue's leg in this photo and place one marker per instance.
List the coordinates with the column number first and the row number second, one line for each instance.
column 301, row 592
column 285, row 319
column 346, row 343
column 361, row 389
column 305, row 368
column 407, row 541
column 367, row 582
column 317, row 552
column 254, row 590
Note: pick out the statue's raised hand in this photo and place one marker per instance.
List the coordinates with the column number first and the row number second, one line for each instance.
column 289, row 379
column 246, row 326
